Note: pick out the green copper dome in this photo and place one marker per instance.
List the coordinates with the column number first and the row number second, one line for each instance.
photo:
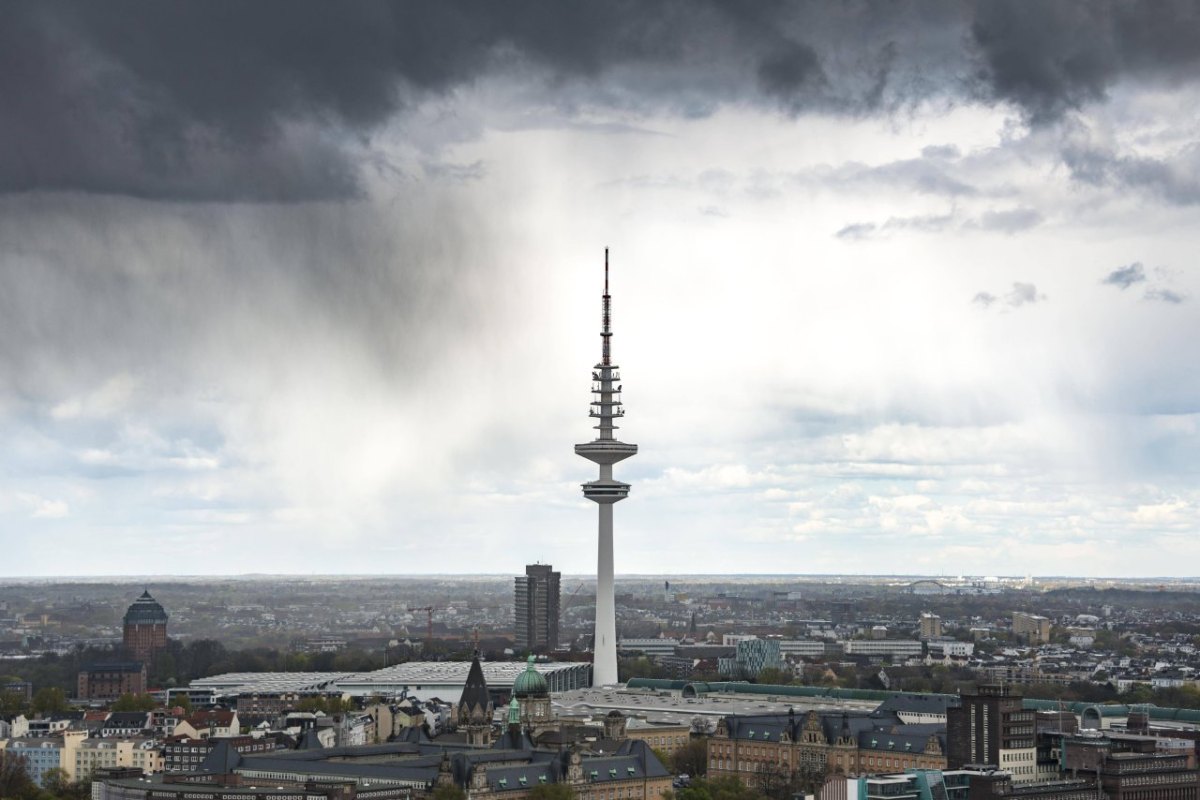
column 530, row 683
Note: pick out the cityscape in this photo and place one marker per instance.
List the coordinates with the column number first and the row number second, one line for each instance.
column 300, row 303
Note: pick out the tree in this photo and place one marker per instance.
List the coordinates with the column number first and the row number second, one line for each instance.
column 723, row 788
column 328, row 705
column 184, row 702
column 771, row 675
column 775, row 782
column 134, row 702
column 14, row 777
column 12, row 703
column 552, row 791
column 448, row 791
column 640, row 667
column 49, row 699
column 58, row 785
column 691, row 759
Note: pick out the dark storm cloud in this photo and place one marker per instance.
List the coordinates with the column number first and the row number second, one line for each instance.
column 790, row 71
column 1051, row 57
column 278, row 100
column 1126, row 276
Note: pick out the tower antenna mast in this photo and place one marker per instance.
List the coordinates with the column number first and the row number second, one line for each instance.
column 605, row 450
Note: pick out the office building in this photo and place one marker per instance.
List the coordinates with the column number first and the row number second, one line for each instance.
column 931, row 625
column 852, row 743
column 992, row 727
column 536, row 607
column 1033, row 628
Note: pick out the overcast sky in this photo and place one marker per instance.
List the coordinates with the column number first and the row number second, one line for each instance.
column 313, row 288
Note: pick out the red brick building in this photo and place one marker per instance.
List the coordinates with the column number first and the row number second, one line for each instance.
column 110, row 681
column 145, row 628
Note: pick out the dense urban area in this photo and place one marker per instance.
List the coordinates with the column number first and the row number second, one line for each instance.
column 838, row 688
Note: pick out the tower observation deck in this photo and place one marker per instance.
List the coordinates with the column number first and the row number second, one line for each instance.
column 605, row 450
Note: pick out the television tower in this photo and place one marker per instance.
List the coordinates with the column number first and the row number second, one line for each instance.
column 605, row 450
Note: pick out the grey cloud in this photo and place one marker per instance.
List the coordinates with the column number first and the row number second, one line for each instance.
column 922, row 175
column 163, row 289
column 1131, row 274
column 1010, row 221
column 1126, row 276
column 457, row 173
column 984, row 299
column 941, row 151
column 856, row 231
column 1022, row 294
column 1175, row 179
column 1164, row 296
column 929, row 223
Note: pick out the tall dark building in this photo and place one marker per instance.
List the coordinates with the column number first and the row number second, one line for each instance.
column 992, row 727
column 145, row 628
column 537, row 603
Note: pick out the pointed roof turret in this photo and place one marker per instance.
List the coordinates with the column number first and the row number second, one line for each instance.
column 222, row 759
column 514, row 712
column 476, row 700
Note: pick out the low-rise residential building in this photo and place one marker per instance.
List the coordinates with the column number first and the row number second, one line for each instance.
column 43, row 754
column 126, row 723
column 209, row 723
column 182, row 754
column 96, row 754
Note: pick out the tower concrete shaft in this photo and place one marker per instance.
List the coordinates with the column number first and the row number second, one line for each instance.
column 605, row 450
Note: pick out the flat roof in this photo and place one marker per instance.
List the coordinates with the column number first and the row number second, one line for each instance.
column 498, row 674
column 426, row 674
column 673, row 709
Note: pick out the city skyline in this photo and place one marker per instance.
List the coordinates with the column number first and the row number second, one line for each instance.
column 903, row 290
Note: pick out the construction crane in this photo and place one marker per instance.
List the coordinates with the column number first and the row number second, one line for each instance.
column 570, row 598
column 428, row 626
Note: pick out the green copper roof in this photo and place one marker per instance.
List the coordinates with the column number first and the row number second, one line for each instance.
column 530, row 683
column 514, row 712
column 145, row 610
